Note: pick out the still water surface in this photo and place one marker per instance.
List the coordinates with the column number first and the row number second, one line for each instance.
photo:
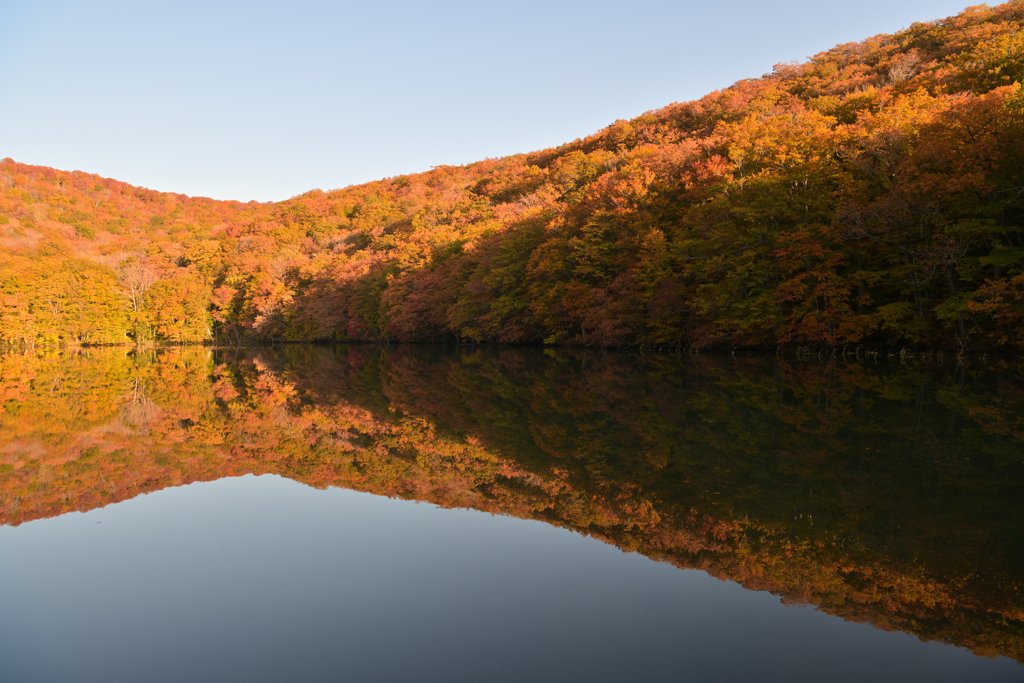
column 444, row 514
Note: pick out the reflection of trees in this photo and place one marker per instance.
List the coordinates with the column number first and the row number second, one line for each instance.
column 139, row 410
column 886, row 496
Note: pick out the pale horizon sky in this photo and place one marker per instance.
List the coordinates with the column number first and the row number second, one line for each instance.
column 266, row 100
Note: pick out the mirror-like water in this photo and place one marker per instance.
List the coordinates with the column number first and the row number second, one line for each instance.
column 867, row 519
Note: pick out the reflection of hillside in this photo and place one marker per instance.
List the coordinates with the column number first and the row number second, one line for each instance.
column 888, row 497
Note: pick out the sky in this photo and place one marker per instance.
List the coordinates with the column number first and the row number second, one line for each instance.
column 266, row 100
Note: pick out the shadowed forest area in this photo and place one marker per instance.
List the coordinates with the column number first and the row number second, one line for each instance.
column 872, row 195
column 887, row 493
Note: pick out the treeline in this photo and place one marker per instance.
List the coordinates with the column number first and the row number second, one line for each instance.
column 887, row 495
column 872, row 195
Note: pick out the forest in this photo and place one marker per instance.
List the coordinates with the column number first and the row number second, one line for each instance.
column 872, row 196
column 886, row 493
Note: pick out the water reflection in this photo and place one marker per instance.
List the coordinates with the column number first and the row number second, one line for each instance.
column 881, row 494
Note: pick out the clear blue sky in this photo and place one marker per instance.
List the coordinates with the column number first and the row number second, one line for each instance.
column 265, row 100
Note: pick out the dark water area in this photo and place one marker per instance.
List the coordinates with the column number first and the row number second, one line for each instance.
column 434, row 513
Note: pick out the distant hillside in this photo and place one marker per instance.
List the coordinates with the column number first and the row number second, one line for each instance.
column 872, row 195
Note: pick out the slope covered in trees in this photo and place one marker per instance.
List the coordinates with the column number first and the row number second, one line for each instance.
column 873, row 194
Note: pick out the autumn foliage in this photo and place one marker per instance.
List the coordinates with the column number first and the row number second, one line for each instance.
column 873, row 194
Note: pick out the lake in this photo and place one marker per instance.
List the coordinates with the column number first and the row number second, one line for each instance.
column 462, row 513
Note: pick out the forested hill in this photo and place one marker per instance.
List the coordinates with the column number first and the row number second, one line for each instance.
column 872, row 195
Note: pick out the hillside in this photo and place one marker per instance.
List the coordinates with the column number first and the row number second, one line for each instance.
column 871, row 195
